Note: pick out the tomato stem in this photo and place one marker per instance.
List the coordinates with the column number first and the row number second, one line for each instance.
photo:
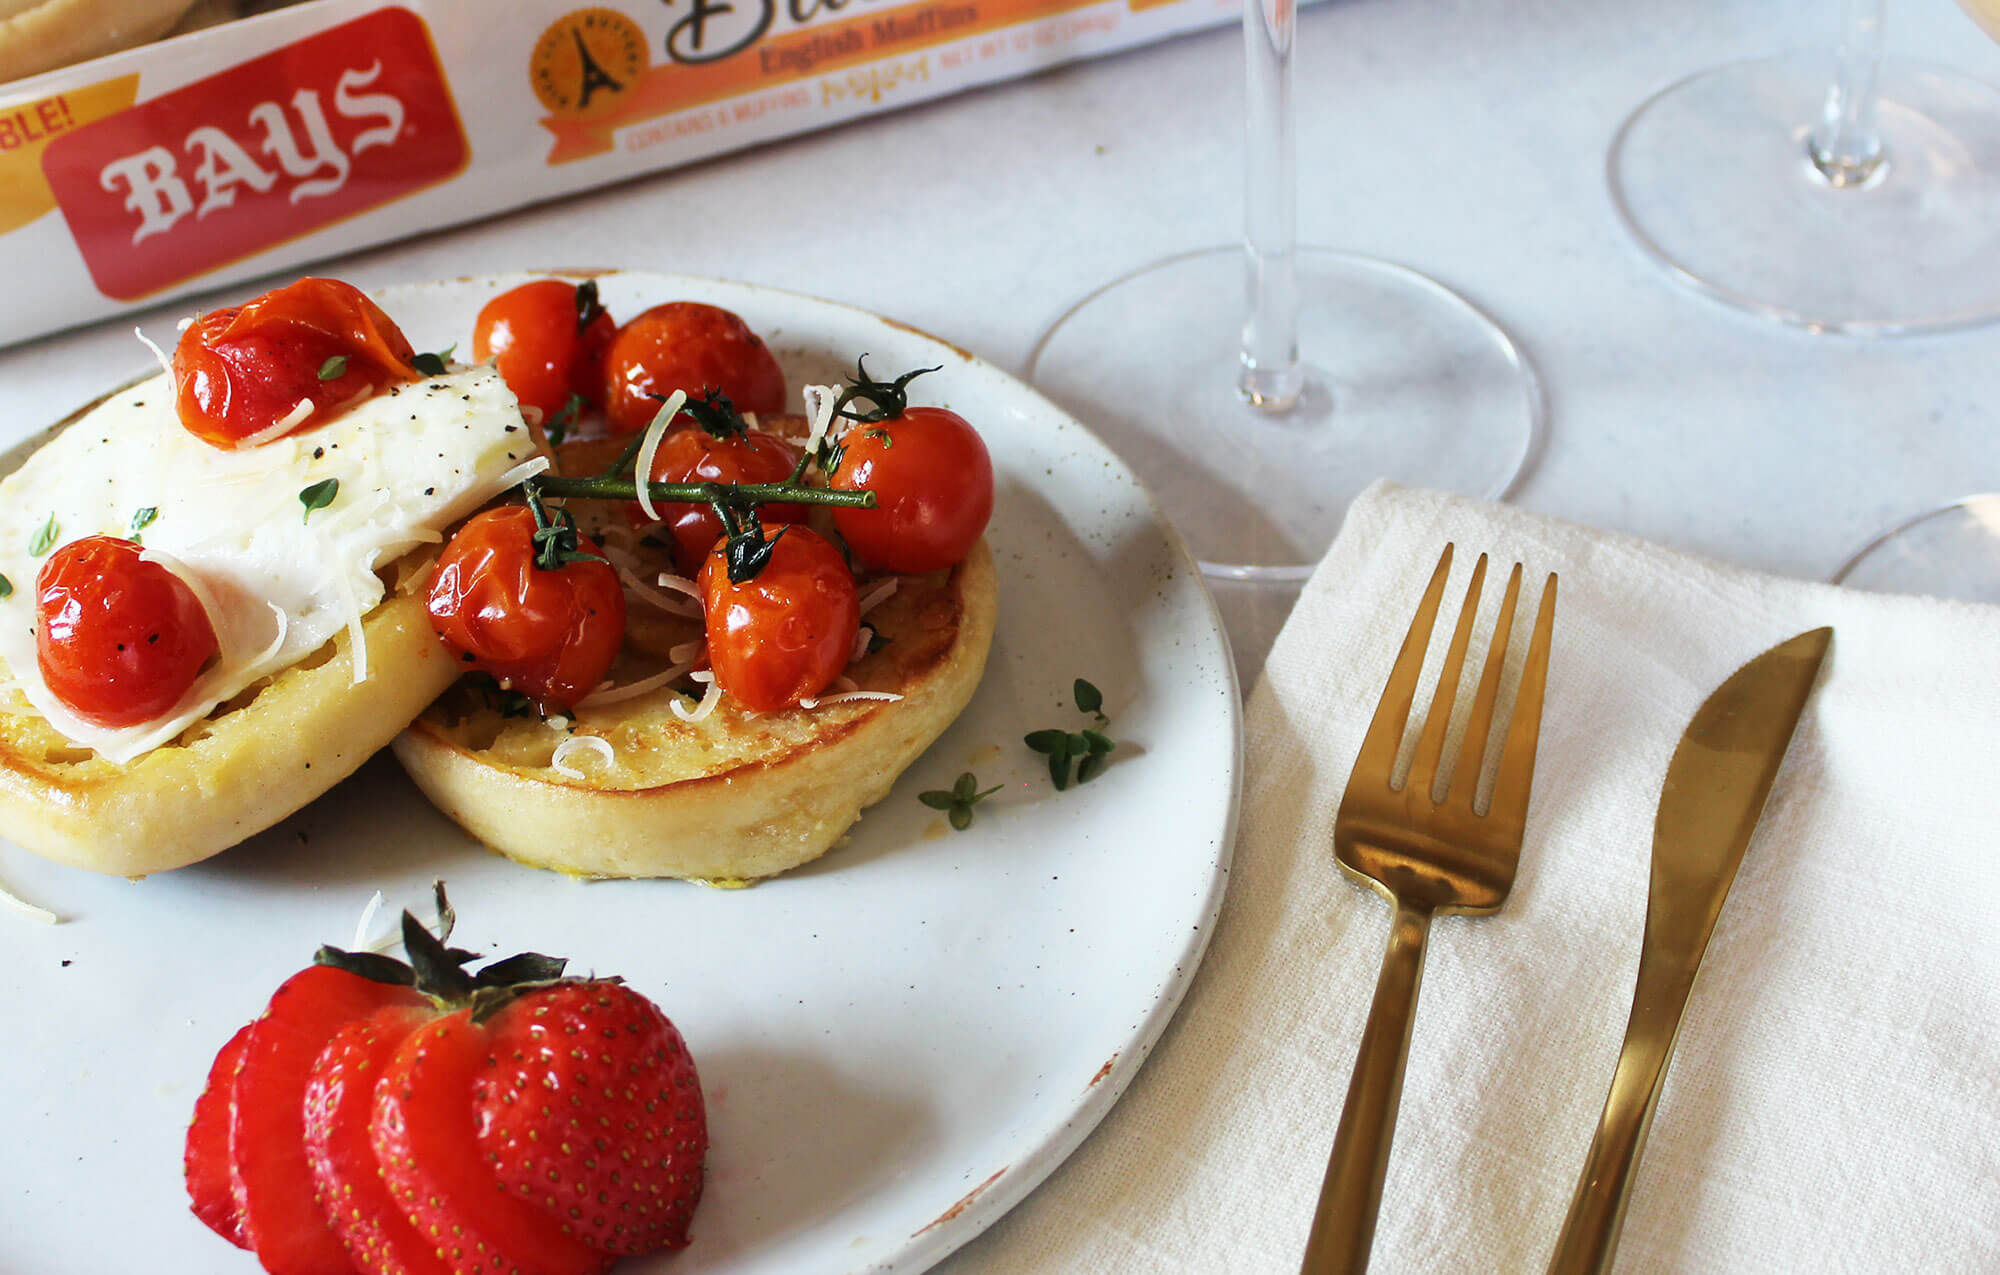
column 625, row 488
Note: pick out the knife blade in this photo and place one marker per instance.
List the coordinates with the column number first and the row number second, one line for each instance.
column 1716, row 785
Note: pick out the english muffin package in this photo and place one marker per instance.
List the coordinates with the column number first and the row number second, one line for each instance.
column 251, row 139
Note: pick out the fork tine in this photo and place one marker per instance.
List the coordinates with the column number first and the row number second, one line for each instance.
column 1478, row 727
column 1517, row 760
column 1430, row 748
column 1385, row 733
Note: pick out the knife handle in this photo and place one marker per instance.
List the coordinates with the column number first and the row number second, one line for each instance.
column 1589, row 1239
column 1343, row 1226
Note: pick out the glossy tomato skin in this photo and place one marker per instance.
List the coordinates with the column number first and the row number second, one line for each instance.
column 551, row 634
column 692, row 454
column 786, row 634
column 119, row 639
column 933, row 485
column 532, row 335
column 239, row 371
column 685, row 345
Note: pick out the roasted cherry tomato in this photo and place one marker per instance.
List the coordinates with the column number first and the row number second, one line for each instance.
column 688, row 346
column 547, row 341
column 689, row 453
column 551, row 634
column 784, row 635
column 119, row 639
column 240, row 371
column 933, row 485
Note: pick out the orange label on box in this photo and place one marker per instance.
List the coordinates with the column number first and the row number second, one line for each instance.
column 701, row 73
column 26, row 131
column 320, row 130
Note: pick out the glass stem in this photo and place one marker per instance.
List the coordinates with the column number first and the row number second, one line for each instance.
column 1846, row 147
column 1271, row 377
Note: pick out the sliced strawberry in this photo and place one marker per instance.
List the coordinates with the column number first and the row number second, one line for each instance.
column 340, row 1099
column 591, row 1110
column 425, row 1140
column 270, row 1177
column 206, row 1159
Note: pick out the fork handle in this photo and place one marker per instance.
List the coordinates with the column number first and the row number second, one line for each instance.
column 1344, row 1223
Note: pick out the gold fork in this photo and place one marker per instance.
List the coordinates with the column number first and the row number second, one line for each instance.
column 1428, row 855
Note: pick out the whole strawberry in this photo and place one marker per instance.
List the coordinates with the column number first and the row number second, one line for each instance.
column 454, row 1123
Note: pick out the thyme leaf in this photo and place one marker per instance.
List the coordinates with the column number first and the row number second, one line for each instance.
column 334, row 368
column 319, row 496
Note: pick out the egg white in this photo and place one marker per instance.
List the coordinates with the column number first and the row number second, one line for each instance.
column 278, row 583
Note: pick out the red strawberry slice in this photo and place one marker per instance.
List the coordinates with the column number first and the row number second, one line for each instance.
column 270, row 1176
column 590, row 1108
column 426, row 1143
column 206, row 1160
column 339, row 1102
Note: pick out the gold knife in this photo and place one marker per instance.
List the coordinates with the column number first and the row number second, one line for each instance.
column 1716, row 784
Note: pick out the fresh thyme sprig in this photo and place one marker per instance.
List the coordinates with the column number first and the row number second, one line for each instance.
column 958, row 800
column 556, row 542
column 1090, row 750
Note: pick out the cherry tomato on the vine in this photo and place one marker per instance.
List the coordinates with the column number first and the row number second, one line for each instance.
column 545, row 343
column 689, row 453
column 687, row 346
column 933, row 485
column 119, row 639
column 239, row 371
column 550, row 633
column 784, row 635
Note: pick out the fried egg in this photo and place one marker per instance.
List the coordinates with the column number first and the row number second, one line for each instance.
column 277, row 577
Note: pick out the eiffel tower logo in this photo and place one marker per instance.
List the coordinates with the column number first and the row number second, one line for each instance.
column 594, row 77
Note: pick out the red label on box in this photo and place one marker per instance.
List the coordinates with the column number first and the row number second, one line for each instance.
column 346, row 120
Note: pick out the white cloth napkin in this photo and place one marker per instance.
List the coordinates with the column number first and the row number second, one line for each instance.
column 1834, row 1102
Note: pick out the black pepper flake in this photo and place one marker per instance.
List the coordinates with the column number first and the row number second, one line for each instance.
column 319, row 453
column 511, row 428
column 430, row 491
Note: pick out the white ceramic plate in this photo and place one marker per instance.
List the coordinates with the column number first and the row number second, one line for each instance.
column 897, row 1042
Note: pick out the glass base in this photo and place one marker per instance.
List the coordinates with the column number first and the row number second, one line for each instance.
column 1953, row 552
column 1714, row 178
column 1405, row 380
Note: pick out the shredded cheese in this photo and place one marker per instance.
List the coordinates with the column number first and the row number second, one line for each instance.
column 639, row 588
column 357, row 637
column 158, row 353
column 680, row 584
column 557, row 722
column 845, row 697
column 686, row 652
column 642, row 468
column 519, row 474
column 279, row 428
column 633, row 690
column 862, row 637
column 28, row 909
column 559, row 760
column 819, row 413
column 362, row 943
column 878, row 595
column 709, row 699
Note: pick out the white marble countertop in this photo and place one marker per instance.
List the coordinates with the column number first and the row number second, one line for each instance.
column 1464, row 139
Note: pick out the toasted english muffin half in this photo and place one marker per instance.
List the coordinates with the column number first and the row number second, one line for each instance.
column 256, row 759
column 731, row 798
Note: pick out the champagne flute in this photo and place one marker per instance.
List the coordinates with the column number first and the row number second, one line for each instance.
column 1949, row 552
column 1861, row 197
column 1952, row 551
column 1254, row 451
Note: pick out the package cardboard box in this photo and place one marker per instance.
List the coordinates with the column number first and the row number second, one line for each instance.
column 309, row 131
